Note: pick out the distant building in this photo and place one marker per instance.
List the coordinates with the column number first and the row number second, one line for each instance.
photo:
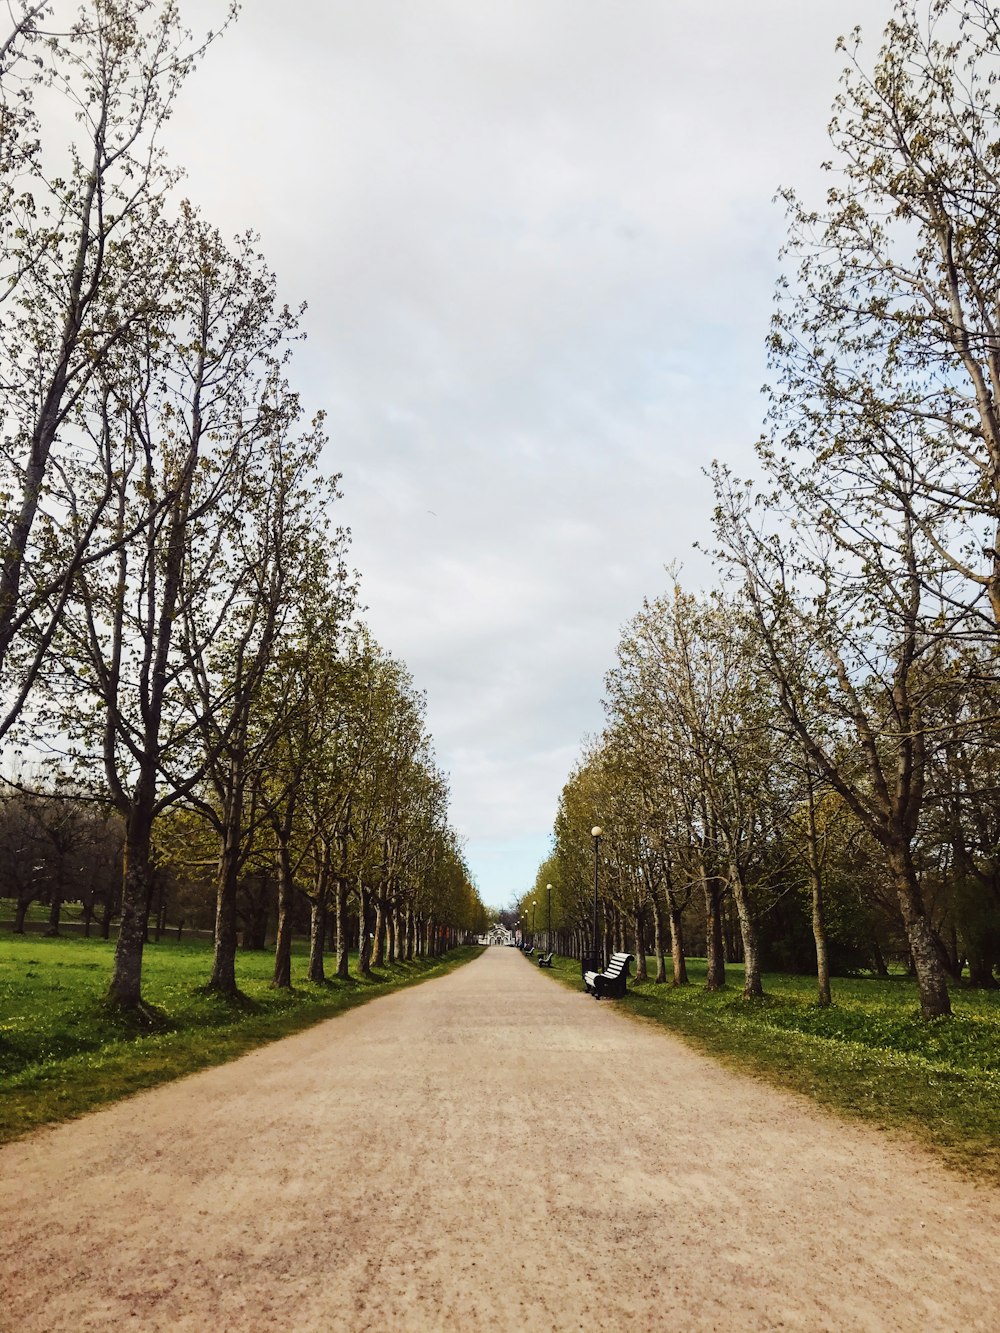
column 497, row 935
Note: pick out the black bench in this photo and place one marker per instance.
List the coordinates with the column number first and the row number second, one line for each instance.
column 546, row 959
column 609, row 984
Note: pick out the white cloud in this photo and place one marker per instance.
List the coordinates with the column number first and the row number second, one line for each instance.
column 538, row 242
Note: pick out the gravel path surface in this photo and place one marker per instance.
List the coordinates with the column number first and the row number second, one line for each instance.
column 488, row 1151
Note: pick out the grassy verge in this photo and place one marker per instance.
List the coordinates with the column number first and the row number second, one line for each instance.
column 62, row 1053
column 870, row 1055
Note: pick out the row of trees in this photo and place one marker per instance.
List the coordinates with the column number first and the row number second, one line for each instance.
column 176, row 614
column 825, row 724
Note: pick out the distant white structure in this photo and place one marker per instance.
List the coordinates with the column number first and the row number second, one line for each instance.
column 497, row 935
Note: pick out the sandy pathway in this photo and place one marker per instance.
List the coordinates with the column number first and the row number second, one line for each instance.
column 486, row 1151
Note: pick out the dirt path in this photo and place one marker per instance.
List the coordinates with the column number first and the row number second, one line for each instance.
column 487, row 1151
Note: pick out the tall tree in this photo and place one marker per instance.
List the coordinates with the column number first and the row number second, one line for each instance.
column 189, row 411
column 79, row 280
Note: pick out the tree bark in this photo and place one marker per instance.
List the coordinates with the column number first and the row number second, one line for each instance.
column 881, row 970
column 379, row 959
column 340, row 916
column 282, row 978
column 752, row 986
column 981, row 965
column 55, row 911
column 823, row 996
column 411, row 930
column 317, row 937
column 364, row 932
column 931, row 979
column 223, row 978
column 126, row 978
column 661, row 966
column 106, row 915
column 715, row 955
column 640, row 948
column 677, row 958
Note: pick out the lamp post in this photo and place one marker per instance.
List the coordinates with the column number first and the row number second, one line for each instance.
column 548, row 919
column 533, row 906
column 596, row 833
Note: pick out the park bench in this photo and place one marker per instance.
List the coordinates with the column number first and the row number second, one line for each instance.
column 546, row 959
column 609, row 984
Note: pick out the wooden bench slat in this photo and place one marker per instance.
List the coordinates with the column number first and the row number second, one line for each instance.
column 612, row 981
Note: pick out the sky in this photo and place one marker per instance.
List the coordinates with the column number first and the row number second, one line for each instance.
column 539, row 244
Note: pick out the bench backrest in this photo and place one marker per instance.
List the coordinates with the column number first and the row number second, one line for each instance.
column 618, row 961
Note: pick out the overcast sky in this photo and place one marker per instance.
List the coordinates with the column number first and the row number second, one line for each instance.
column 539, row 245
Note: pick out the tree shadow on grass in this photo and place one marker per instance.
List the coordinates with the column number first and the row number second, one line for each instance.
column 234, row 1001
column 330, row 984
column 141, row 1020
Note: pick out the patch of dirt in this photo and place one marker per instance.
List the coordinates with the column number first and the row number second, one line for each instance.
column 488, row 1151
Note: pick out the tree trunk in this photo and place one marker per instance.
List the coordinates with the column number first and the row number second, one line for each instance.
column 55, row 912
column 714, row 951
column 20, row 912
column 379, row 959
column 881, row 970
column 161, row 906
column 364, row 932
column 106, row 915
column 823, row 997
column 661, row 966
column 981, row 964
column 223, row 978
column 931, row 980
column 282, row 979
column 411, row 930
column 340, row 914
column 677, row 957
column 640, row 948
column 752, row 987
column 390, row 936
column 258, row 913
column 126, row 979
column 317, row 937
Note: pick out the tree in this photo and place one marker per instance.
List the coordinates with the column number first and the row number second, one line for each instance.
column 837, row 588
column 192, row 409
column 79, row 278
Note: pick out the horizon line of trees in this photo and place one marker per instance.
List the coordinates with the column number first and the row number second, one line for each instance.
column 177, row 618
column 811, row 749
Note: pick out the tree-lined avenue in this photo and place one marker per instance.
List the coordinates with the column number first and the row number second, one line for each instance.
column 489, row 1151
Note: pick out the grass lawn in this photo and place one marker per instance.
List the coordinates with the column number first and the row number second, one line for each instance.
column 63, row 1053
column 869, row 1055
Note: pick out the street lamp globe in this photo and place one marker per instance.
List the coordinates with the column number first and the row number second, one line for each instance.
column 596, row 832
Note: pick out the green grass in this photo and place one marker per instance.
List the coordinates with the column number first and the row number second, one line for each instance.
column 870, row 1055
column 63, row 1052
